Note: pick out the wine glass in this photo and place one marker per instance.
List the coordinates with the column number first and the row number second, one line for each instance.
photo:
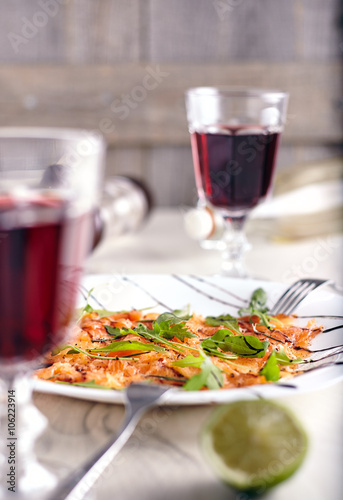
column 235, row 134
column 49, row 187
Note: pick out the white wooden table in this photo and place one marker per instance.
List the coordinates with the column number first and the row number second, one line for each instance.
column 162, row 246
column 163, row 458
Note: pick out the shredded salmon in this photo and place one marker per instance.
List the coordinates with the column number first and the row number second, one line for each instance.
column 158, row 366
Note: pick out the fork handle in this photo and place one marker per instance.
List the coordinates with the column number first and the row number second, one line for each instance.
column 82, row 479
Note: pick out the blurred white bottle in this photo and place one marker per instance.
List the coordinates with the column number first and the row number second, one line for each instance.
column 206, row 225
column 124, row 206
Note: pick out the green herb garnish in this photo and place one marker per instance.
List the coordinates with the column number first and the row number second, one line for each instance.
column 271, row 369
column 154, row 335
column 283, row 359
column 74, row 350
column 183, row 313
column 92, row 384
column 210, row 375
column 169, row 331
column 243, row 345
column 258, row 307
column 213, row 351
column 114, row 331
column 168, row 325
column 227, row 320
column 279, row 358
column 128, row 345
column 169, row 318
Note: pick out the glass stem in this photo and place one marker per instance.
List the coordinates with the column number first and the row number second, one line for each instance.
column 20, row 424
column 236, row 244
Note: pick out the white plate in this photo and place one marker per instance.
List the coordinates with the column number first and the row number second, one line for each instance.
column 207, row 296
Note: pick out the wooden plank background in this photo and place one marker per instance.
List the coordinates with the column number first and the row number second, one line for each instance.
column 94, row 95
column 86, row 63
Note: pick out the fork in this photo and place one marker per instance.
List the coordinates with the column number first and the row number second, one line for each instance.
column 139, row 399
column 295, row 294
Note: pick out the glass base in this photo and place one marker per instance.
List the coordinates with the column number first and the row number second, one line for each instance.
column 234, row 269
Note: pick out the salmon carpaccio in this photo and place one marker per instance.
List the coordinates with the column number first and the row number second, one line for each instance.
column 158, row 366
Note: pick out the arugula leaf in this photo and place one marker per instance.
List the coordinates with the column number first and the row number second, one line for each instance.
column 183, row 313
column 168, row 330
column 57, row 350
column 169, row 325
column 213, row 351
column 87, row 308
column 258, row 300
column 105, row 312
column 275, row 320
column 128, row 345
column 190, row 360
column 173, row 318
column 211, row 345
column 242, row 345
column 210, row 376
column 169, row 318
column 74, row 350
column 101, row 312
column 91, row 384
column 156, row 334
column 271, row 369
column 115, row 331
column 227, row 320
column 283, row 359
column 257, row 303
column 152, row 335
column 258, row 307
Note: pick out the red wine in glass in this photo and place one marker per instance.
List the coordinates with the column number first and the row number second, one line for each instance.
column 49, row 188
column 235, row 133
column 234, row 169
column 42, row 250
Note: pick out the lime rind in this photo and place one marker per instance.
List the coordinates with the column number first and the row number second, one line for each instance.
column 282, row 448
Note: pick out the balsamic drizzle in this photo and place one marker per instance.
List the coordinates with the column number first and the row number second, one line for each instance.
column 129, row 280
column 269, row 336
column 325, row 348
column 320, row 316
column 287, row 386
column 202, row 280
column 332, row 329
column 323, row 365
column 328, row 356
column 198, row 290
column 84, row 291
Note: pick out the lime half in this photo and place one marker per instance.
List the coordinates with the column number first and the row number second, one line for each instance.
column 253, row 445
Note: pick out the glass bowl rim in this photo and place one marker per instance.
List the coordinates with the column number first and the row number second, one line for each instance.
column 227, row 91
column 51, row 133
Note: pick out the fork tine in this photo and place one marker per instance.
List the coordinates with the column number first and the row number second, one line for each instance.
column 139, row 394
column 297, row 292
column 282, row 301
column 296, row 298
